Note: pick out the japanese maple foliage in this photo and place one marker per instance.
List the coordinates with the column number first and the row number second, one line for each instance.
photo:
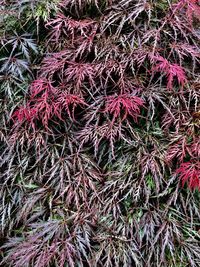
column 99, row 136
column 46, row 103
column 171, row 71
column 190, row 173
column 129, row 105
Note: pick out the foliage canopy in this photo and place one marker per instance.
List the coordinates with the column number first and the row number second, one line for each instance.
column 99, row 136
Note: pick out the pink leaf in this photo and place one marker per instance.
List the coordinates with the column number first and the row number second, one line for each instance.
column 171, row 71
column 190, row 173
column 128, row 104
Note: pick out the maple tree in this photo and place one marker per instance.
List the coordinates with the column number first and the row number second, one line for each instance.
column 99, row 136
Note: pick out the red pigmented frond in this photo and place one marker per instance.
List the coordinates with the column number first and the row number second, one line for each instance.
column 54, row 63
column 69, row 102
column 125, row 105
column 178, row 149
column 190, row 173
column 176, row 118
column 74, row 35
column 24, row 113
column 171, row 71
column 40, row 86
column 195, row 148
column 191, row 8
column 80, row 72
column 47, row 102
column 183, row 50
column 67, row 26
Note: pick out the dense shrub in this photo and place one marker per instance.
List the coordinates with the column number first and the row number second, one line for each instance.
column 99, row 137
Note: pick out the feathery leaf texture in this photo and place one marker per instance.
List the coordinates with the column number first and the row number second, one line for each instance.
column 100, row 133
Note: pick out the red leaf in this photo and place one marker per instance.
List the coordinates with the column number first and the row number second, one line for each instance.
column 24, row 113
column 191, row 7
column 69, row 102
column 172, row 71
column 128, row 104
column 46, row 102
column 190, row 173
